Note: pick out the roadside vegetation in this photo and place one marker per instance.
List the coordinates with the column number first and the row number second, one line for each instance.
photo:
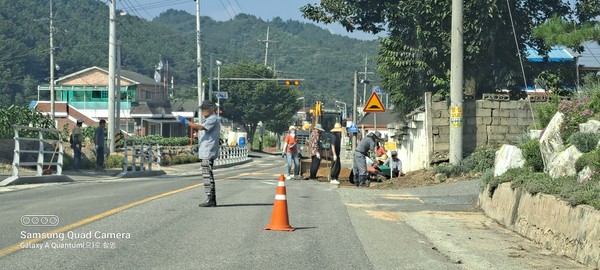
column 578, row 107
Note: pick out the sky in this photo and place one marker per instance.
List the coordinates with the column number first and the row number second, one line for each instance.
column 223, row 10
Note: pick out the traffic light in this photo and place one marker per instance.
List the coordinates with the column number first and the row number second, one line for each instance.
column 289, row 82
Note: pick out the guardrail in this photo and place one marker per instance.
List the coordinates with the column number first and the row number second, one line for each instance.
column 142, row 155
column 40, row 150
column 231, row 155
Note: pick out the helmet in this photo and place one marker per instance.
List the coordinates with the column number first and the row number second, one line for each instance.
column 292, row 128
column 306, row 126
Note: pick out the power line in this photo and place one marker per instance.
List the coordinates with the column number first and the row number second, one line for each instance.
column 226, row 10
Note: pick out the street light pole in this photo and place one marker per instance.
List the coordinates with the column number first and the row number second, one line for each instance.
column 345, row 109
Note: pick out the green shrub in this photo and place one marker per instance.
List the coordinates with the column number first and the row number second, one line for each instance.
column 591, row 159
column 545, row 112
column 270, row 141
column 184, row 159
column 533, row 155
column 486, row 178
column 508, row 176
column 113, row 161
column 585, row 141
column 482, row 159
column 449, row 170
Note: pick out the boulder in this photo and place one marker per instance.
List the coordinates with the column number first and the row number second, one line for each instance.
column 563, row 163
column 591, row 126
column 550, row 141
column 585, row 175
column 507, row 157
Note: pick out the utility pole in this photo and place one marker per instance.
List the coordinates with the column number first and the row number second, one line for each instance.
column 456, row 83
column 118, row 91
column 354, row 113
column 112, row 52
column 266, row 41
column 210, row 80
column 199, row 59
column 52, row 101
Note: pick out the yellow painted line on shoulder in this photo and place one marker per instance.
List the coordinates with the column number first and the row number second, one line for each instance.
column 72, row 226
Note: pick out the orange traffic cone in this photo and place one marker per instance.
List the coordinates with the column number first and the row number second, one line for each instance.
column 279, row 217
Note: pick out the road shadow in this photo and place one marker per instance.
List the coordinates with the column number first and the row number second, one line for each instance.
column 244, row 204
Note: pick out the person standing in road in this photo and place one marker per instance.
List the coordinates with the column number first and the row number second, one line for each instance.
column 209, row 148
column 76, row 143
column 336, row 144
column 99, row 137
column 290, row 148
column 314, row 145
column 359, row 170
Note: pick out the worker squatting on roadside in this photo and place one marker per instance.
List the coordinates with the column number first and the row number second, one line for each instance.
column 370, row 143
column 209, row 148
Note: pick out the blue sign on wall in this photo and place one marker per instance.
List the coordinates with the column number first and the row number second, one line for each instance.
column 378, row 90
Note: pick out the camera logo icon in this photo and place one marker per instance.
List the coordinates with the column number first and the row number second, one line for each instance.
column 40, row 220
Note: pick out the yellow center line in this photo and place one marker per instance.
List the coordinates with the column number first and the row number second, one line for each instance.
column 91, row 219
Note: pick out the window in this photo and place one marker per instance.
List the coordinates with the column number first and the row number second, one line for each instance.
column 99, row 94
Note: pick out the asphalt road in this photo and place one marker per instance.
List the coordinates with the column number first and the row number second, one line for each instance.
column 155, row 223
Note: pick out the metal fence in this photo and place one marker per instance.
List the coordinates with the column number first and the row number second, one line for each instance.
column 140, row 155
column 231, row 155
column 40, row 150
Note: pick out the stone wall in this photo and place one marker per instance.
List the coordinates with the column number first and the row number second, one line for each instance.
column 484, row 123
column 570, row 231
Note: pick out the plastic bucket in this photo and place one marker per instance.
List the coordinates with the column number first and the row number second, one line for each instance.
column 242, row 138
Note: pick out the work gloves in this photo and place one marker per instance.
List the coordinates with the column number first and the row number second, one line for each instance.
column 183, row 120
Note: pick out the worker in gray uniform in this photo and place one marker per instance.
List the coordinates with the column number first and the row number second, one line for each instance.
column 209, row 148
column 369, row 143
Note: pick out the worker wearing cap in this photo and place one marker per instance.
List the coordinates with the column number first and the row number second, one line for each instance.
column 395, row 164
column 290, row 149
column 359, row 170
column 76, row 141
column 208, row 149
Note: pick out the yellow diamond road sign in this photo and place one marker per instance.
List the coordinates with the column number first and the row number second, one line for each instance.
column 374, row 104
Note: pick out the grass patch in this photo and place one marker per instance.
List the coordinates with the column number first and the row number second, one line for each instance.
column 566, row 188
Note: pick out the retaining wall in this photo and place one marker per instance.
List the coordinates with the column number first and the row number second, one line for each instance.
column 547, row 220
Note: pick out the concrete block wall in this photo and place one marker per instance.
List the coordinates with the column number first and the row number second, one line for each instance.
column 484, row 123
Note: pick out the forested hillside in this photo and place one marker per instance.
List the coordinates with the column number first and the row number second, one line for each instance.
column 325, row 61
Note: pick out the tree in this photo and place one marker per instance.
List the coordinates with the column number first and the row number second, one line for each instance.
column 415, row 57
column 557, row 31
column 252, row 101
